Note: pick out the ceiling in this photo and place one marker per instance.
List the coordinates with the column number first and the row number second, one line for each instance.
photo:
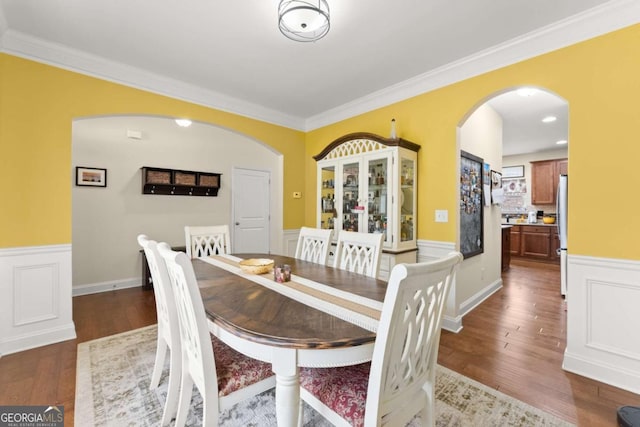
column 230, row 54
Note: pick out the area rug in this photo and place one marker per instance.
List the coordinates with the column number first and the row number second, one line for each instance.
column 112, row 389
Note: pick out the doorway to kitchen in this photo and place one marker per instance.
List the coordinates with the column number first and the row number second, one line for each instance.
column 524, row 133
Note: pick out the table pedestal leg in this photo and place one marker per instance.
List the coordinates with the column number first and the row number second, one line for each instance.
column 288, row 406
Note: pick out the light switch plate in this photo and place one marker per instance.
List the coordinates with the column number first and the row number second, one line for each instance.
column 297, row 194
column 442, row 215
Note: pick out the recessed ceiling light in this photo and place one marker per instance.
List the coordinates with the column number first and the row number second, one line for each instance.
column 527, row 91
column 561, row 142
column 549, row 119
column 184, row 123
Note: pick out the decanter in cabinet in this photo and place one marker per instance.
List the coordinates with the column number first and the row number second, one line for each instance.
column 367, row 183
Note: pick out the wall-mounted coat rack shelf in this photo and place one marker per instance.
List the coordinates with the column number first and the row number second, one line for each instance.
column 176, row 182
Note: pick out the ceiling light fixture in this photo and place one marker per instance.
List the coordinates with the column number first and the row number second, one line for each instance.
column 303, row 20
column 561, row 142
column 183, row 123
column 527, row 91
column 549, row 119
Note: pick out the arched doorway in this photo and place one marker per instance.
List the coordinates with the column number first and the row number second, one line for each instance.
column 106, row 221
column 506, row 129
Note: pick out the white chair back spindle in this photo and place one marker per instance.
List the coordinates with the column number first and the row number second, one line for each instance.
column 314, row 245
column 203, row 241
column 359, row 252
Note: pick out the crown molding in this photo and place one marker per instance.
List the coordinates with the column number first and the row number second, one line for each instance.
column 39, row 50
column 611, row 16
column 594, row 22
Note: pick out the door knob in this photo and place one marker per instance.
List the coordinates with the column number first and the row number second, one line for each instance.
column 237, row 223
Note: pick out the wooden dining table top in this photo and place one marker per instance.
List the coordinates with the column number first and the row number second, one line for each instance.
column 253, row 312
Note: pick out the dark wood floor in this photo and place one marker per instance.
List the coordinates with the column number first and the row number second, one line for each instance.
column 513, row 342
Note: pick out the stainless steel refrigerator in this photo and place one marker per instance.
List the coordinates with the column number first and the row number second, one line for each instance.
column 561, row 214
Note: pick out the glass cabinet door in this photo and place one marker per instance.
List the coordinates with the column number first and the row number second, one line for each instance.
column 351, row 208
column 407, row 199
column 378, row 197
column 328, row 198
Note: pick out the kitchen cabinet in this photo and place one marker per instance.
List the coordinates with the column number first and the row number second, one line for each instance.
column 514, row 236
column 535, row 242
column 544, row 180
column 367, row 183
column 506, row 248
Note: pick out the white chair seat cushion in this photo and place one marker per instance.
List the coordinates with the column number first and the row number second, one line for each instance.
column 235, row 370
column 343, row 389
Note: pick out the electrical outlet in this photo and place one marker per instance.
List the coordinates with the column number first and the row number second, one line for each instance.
column 297, row 194
column 442, row 216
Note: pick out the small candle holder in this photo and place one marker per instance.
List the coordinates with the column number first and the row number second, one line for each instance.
column 282, row 273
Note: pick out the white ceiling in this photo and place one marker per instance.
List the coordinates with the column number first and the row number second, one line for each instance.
column 230, row 54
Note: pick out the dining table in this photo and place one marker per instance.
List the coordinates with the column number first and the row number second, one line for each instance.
column 322, row 317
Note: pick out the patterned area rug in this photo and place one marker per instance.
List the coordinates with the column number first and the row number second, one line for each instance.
column 112, row 389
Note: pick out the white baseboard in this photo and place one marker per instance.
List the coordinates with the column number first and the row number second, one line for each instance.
column 94, row 288
column 603, row 296
column 36, row 304
column 478, row 298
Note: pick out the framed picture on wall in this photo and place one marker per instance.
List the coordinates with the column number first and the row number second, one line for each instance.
column 513, row 171
column 91, row 177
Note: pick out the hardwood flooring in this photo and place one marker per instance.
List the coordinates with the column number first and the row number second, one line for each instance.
column 513, row 342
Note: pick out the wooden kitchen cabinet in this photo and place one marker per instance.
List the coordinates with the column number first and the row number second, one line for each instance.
column 535, row 242
column 544, row 180
column 506, row 248
column 514, row 237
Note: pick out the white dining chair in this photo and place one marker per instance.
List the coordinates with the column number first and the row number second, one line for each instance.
column 359, row 252
column 168, row 329
column 399, row 381
column 222, row 375
column 207, row 240
column 314, row 244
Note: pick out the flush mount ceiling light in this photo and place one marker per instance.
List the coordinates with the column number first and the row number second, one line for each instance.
column 303, row 20
column 549, row 119
column 561, row 142
column 527, row 91
column 183, row 123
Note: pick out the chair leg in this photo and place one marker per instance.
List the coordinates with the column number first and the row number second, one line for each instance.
column 186, row 390
column 161, row 352
column 171, row 404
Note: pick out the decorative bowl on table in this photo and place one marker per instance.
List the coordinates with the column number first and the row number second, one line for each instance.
column 256, row 265
column 549, row 219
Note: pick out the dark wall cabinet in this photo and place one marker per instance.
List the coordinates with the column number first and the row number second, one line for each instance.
column 176, row 182
column 535, row 242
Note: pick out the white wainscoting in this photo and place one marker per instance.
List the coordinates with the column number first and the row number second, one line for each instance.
column 290, row 241
column 36, row 307
column 603, row 316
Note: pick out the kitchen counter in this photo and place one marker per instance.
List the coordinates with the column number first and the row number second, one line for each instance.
column 527, row 223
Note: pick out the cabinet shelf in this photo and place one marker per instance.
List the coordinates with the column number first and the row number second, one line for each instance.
column 176, row 182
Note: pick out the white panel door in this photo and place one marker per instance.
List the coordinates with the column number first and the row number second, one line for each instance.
column 250, row 206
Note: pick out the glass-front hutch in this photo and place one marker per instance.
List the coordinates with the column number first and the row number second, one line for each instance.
column 367, row 183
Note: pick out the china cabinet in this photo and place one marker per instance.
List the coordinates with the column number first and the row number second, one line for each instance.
column 367, row 183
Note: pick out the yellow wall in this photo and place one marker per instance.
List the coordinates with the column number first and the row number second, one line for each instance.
column 37, row 105
column 598, row 78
